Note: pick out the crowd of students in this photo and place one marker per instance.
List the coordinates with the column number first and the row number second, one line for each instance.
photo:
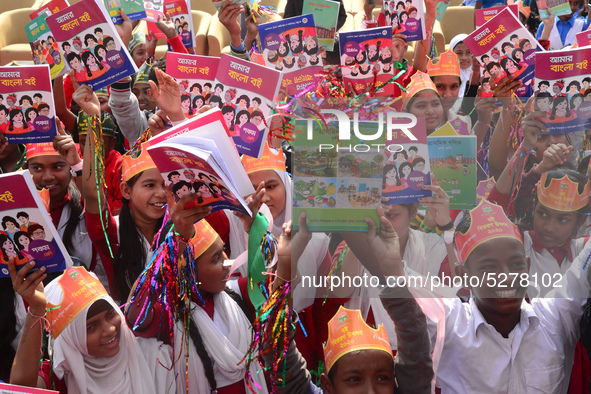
column 113, row 335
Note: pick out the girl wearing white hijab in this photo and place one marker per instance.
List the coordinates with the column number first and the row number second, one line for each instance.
column 465, row 59
column 93, row 349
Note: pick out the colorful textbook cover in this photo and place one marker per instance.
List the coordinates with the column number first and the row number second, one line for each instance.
column 584, row 38
column 291, row 46
column 326, row 15
column 180, row 12
column 562, row 78
column 247, row 91
column 50, row 8
column 27, row 111
column 44, row 47
column 407, row 18
column 454, row 165
column 483, row 15
column 558, row 7
column 365, row 53
column 90, row 44
column 29, row 233
column 14, row 389
column 134, row 9
column 196, row 77
column 504, row 47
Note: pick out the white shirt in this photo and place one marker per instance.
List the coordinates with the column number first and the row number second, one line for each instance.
column 477, row 359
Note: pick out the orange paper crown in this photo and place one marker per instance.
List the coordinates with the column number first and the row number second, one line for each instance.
column 204, row 237
column 419, row 82
column 80, row 289
column 40, row 149
column 268, row 161
column 447, row 65
column 526, row 11
column 348, row 332
column 562, row 194
column 131, row 166
column 488, row 222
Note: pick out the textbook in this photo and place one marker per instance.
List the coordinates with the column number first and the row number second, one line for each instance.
column 134, row 9
column 50, row 8
column 14, row 389
column 584, row 38
column 90, row 44
column 203, row 132
column 29, row 233
column 339, row 188
column 364, row 53
column 503, row 46
column 326, row 16
column 196, row 77
column 180, row 11
column 44, row 48
column 562, row 78
column 558, row 7
column 27, row 111
column 187, row 170
column 153, row 9
column 453, row 162
column 291, row 46
column 406, row 17
column 483, row 15
column 247, row 91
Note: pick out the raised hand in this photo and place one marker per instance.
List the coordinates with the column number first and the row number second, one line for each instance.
column 85, row 97
column 184, row 219
column 385, row 247
column 437, row 205
column 65, row 146
column 254, row 204
column 555, row 155
column 168, row 95
column 125, row 29
column 166, row 26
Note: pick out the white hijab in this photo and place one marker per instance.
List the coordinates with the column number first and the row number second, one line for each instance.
column 226, row 338
column 465, row 73
column 135, row 369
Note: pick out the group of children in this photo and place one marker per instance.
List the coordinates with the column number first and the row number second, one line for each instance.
column 160, row 298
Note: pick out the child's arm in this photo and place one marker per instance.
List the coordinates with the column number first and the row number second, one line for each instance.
column 423, row 47
column 61, row 109
column 25, row 368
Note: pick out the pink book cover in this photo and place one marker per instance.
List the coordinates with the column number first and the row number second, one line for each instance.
column 14, row 389
column 247, row 91
column 180, row 11
column 483, row 15
column 50, row 8
column 503, row 47
column 584, row 38
column 196, row 77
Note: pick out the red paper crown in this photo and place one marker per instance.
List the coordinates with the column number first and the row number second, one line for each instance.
column 268, row 161
column 130, row 166
column 204, row 237
column 419, row 82
column 348, row 332
column 562, row 194
column 447, row 65
column 560, row 84
column 40, row 149
column 11, row 97
column 488, row 222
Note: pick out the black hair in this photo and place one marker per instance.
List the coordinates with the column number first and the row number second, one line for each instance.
column 89, row 37
column 195, row 101
column 96, row 50
column 558, row 100
column 418, row 160
column 85, row 56
column 513, row 54
column 3, row 108
column 179, row 185
column 239, row 114
column 504, row 64
column 572, row 99
column 367, row 68
column 130, row 259
column 196, row 85
column 38, row 95
column 216, row 99
column 405, row 164
column 186, row 97
column 219, row 85
column 246, row 98
column 207, row 85
column 484, row 57
column 289, row 65
column 13, row 112
column 7, row 219
column 387, row 168
column 76, row 216
column 170, row 174
column 300, row 46
column 25, row 97
column 272, row 56
column 491, row 65
column 513, row 36
column 98, row 30
column 506, row 44
column 377, row 55
column 226, row 109
column 258, row 100
column 545, row 95
column 577, row 84
column 547, row 83
column 19, row 234
column 22, row 213
column 107, row 40
column 161, row 65
column 587, row 79
column 312, row 51
column 400, row 3
column 413, row 148
column 3, row 239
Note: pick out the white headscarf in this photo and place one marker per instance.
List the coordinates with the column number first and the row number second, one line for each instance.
column 226, row 339
column 465, row 73
column 135, row 369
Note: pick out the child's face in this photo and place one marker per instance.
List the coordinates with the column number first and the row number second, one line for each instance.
column 111, row 46
column 562, row 105
column 44, row 112
column 391, row 175
column 257, row 120
column 573, row 89
column 183, row 191
column 211, row 268
column 448, row 87
column 585, row 85
column 103, row 332
column 365, row 371
column 413, row 14
column 174, row 178
column 552, row 227
column 543, row 104
column 526, row 46
column 543, row 88
column 10, row 102
column 486, row 86
column 274, row 190
column 491, row 259
column 464, row 55
column 556, row 89
column 420, row 166
column 494, row 70
column 38, row 234
column 406, row 170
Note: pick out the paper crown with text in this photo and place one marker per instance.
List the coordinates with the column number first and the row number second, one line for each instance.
column 562, row 194
column 40, row 149
column 488, row 221
column 143, row 74
column 271, row 159
column 108, row 125
column 447, row 65
column 79, row 289
column 135, row 162
column 348, row 332
column 418, row 82
column 204, row 237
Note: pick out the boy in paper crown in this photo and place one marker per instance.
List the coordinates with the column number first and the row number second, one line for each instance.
column 522, row 347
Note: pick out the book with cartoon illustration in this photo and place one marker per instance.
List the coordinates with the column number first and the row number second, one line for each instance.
column 180, row 12
column 454, row 165
column 291, row 46
column 366, row 53
column 326, row 15
column 247, row 91
column 558, row 7
column 196, row 78
column 503, row 47
column 27, row 111
column 483, row 15
column 50, row 8
column 134, row 9
column 562, row 79
column 44, row 47
column 406, row 17
column 28, row 231
column 188, row 169
column 89, row 42
column 584, row 38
